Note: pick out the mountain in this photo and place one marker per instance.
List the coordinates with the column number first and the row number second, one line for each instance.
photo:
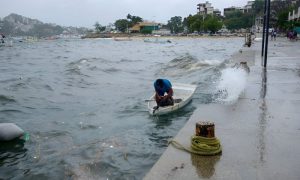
column 17, row 25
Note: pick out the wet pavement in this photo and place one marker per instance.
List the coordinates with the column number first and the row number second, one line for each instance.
column 259, row 133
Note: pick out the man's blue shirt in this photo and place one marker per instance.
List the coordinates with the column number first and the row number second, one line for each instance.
column 166, row 87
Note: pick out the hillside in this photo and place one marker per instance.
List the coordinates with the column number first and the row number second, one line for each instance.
column 17, row 25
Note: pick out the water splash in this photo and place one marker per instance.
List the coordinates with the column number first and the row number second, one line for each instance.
column 232, row 83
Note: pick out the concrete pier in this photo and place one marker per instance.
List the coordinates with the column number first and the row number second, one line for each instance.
column 260, row 133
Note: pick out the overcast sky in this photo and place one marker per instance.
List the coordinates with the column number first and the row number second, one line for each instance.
column 86, row 12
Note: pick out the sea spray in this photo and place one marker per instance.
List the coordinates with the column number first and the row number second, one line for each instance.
column 232, row 83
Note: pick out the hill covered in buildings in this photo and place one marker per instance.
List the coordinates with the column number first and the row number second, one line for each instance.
column 17, row 25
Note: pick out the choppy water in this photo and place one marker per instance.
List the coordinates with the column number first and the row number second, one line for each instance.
column 82, row 102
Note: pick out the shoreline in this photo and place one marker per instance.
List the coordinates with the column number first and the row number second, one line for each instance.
column 122, row 35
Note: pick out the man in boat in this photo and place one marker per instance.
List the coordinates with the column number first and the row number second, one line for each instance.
column 164, row 92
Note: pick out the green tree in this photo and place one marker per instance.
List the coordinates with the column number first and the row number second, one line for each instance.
column 212, row 24
column 175, row 24
column 258, row 7
column 98, row 27
column 238, row 20
column 133, row 20
column 194, row 23
column 122, row 25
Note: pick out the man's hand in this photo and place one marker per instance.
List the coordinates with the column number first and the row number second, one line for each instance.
column 165, row 97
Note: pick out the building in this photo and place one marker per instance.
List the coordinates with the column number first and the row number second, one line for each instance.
column 247, row 8
column 163, row 32
column 217, row 12
column 232, row 9
column 294, row 16
column 144, row 26
column 207, row 9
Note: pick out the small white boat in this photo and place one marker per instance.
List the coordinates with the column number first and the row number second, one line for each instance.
column 183, row 94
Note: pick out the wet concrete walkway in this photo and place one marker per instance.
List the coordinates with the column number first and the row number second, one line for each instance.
column 260, row 133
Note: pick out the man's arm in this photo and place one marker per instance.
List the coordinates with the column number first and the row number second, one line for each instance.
column 170, row 93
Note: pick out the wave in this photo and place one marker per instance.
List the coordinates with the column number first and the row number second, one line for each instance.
column 187, row 64
column 111, row 70
column 6, row 99
column 10, row 80
column 129, row 60
column 90, row 64
column 10, row 111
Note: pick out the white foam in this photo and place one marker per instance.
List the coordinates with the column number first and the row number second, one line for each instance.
column 203, row 63
column 232, row 83
column 212, row 62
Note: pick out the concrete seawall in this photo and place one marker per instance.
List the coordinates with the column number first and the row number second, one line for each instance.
column 259, row 133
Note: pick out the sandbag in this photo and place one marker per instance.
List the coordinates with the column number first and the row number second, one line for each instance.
column 9, row 131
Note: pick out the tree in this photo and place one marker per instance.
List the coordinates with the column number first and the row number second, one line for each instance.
column 194, row 23
column 175, row 24
column 258, row 7
column 122, row 25
column 133, row 20
column 98, row 27
column 238, row 20
column 212, row 24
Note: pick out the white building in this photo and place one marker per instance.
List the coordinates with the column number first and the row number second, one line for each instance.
column 161, row 32
column 205, row 8
column 248, row 7
column 294, row 15
column 245, row 9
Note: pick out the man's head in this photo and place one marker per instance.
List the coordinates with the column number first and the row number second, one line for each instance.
column 159, row 83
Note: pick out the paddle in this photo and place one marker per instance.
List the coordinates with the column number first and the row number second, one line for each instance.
column 148, row 100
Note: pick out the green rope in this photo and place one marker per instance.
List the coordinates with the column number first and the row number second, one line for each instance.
column 201, row 145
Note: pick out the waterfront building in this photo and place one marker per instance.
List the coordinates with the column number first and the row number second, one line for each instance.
column 246, row 9
column 232, row 9
column 217, row 12
column 207, row 9
column 142, row 26
column 163, row 32
column 294, row 16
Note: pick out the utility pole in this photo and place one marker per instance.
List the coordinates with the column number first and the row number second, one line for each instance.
column 267, row 32
column 264, row 29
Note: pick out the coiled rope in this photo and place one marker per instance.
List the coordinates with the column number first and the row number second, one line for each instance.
column 201, row 146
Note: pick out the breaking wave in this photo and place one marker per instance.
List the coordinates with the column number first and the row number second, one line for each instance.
column 6, row 99
column 186, row 64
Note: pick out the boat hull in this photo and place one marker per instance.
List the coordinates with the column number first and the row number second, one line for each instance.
column 181, row 91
